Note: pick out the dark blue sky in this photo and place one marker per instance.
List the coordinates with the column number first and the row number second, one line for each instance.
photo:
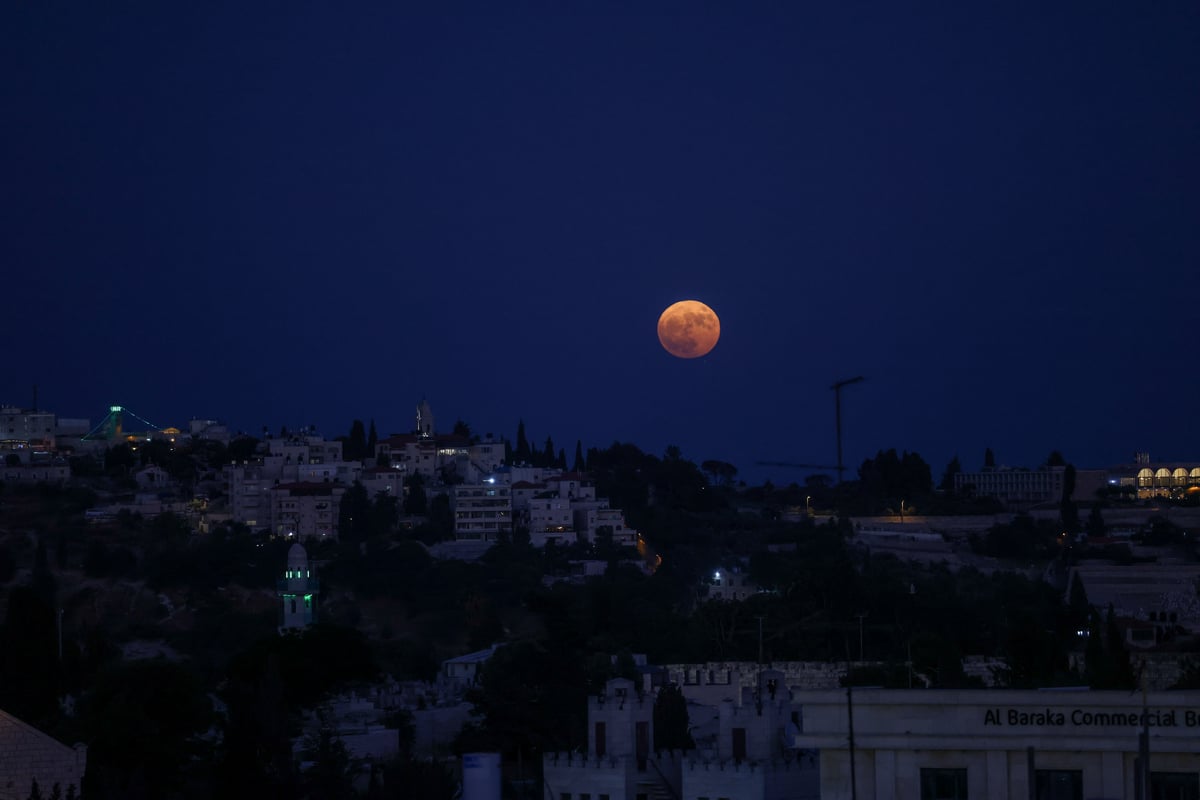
column 294, row 213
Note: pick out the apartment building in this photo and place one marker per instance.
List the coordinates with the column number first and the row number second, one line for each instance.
column 482, row 512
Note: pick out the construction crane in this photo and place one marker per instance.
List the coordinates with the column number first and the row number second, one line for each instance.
column 837, row 405
column 793, row 464
column 837, row 400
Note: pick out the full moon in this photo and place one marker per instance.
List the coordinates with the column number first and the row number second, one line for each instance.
column 688, row 329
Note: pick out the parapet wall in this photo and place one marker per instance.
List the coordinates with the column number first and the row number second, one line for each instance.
column 711, row 682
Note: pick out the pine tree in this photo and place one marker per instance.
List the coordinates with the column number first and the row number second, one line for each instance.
column 522, row 451
column 355, row 446
column 372, row 439
column 34, row 792
column 580, row 465
column 989, row 458
column 952, row 469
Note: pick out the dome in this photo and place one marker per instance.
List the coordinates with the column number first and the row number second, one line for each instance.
column 297, row 557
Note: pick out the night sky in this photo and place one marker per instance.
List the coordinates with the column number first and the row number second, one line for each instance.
column 296, row 213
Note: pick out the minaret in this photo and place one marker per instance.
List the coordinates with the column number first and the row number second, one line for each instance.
column 425, row 427
column 297, row 591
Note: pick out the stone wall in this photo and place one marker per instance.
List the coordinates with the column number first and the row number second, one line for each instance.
column 27, row 754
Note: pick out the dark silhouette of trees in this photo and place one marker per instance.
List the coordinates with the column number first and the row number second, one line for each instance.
column 671, row 720
column 952, row 469
column 1095, row 526
column 141, row 720
column 989, row 459
column 522, row 452
column 579, row 464
column 721, row 473
column 354, row 446
column 354, row 514
column 415, row 502
column 888, row 478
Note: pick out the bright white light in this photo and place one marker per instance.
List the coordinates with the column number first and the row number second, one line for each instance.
column 717, row 575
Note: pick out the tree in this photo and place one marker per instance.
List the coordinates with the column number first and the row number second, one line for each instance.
column 671, row 720
column 522, row 452
column 331, row 776
column 462, row 429
column 952, row 469
column 1068, row 510
column 1095, row 526
column 142, row 720
column 354, row 447
column 415, row 502
column 384, row 513
column 441, row 519
column 989, row 459
column 721, row 473
column 1055, row 459
column 258, row 750
column 242, row 449
column 354, row 514
column 579, row 465
column 372, row 440
column 548, row 453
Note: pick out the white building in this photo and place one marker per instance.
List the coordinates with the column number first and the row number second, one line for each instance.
column 54, row 471
column 1014, row 487
column 746, row 752
column 298, row 591
column 482, row 512
column 288, row 460
column 306, row 510
column 549, row 519
column 999, row 744
column 26, row 427
column 28, row 755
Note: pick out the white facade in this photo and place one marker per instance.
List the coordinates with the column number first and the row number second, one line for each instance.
column 28, row 755
column 549, row 518
column 298, row 591
column 482, row 512
column 291, row 460
column 1015, row 488
column 747, row 753
column 306, row 510
column 56, row 472
column 23, row 426
column 992, row 744
column 387, row 480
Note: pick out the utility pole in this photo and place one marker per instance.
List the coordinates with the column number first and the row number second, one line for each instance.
column 837, row 403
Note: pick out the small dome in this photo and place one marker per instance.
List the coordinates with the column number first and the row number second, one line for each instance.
column 297, row 557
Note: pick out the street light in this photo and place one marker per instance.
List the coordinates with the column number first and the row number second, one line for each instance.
column 808, row 505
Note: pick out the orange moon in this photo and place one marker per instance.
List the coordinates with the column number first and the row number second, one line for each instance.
column 688, row 329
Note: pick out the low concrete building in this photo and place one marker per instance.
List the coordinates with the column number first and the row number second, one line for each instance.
column 999, row 744
column 28, row 755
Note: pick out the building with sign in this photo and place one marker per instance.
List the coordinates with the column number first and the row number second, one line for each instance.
column 1001, row 744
